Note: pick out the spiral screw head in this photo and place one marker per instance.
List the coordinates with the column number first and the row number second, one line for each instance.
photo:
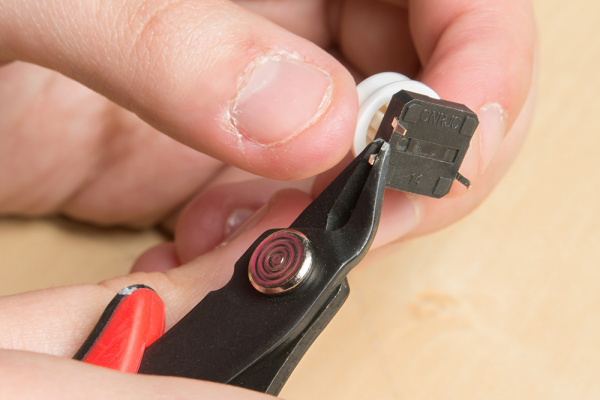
column 280, row 262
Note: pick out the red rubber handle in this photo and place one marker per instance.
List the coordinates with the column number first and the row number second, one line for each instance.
column 133, row 320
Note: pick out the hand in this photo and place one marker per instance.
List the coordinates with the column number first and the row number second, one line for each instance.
column 193, row 69
column 56, row 322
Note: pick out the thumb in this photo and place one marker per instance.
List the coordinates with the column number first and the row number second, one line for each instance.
column 210, row 74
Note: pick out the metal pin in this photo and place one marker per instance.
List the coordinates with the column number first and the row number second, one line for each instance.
column 464, row 181
column 398, row 128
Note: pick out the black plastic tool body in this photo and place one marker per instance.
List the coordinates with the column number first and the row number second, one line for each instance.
column 241, row 336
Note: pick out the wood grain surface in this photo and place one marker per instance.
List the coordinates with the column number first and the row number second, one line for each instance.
column 502, row 305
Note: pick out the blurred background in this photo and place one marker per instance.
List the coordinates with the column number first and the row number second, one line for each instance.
column 503, row 304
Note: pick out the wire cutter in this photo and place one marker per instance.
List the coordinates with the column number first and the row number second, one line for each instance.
column 290, row 282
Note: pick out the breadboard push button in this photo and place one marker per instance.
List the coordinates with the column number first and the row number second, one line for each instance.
column 429, row 139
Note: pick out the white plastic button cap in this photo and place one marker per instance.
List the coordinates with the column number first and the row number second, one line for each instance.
column 375, row 92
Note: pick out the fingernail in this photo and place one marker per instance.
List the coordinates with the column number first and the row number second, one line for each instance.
column 248, row 223
column 280, row 98
column 492, row 127
column 236, row 219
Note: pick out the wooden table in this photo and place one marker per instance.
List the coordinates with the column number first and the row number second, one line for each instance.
column 502, row 305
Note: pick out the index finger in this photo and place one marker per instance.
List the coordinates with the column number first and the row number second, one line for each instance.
column 482, row 54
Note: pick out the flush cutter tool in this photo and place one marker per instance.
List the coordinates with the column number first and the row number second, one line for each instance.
column 291, row 282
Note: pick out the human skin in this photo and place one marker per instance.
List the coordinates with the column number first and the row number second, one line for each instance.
column 88, row 92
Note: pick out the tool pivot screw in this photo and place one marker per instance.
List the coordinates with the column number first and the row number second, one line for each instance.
column 280, row 262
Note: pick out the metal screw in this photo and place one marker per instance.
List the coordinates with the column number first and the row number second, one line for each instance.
column 280, row 262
